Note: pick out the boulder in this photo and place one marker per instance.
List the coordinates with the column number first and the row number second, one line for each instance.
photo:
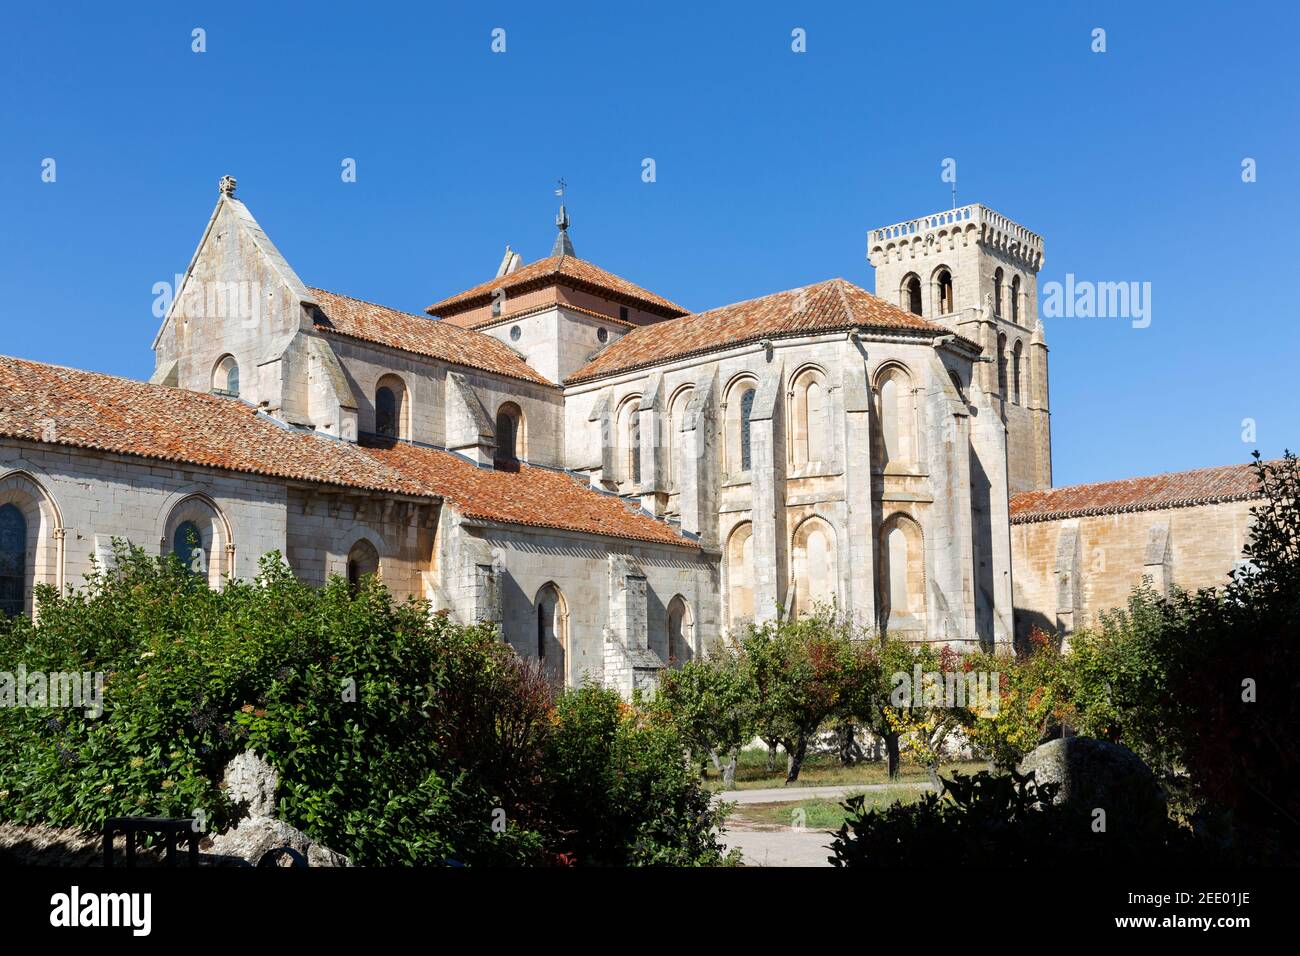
column 255, row 837
column 1095, row 774
column 251, row 781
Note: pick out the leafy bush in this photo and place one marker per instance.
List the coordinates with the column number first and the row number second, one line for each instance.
column 621, row 788
column 992, row 820
column 399, row 737
column 711, row 702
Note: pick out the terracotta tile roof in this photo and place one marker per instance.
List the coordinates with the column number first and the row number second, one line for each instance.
column 561, row 270
column 824, row 307
column 358, row 319
column 1176, row 489
column 536, row 497
column 63, row 406
column 66, row 406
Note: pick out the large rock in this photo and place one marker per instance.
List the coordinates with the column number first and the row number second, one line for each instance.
column 251, row 781
column 255, row 837
column 1095, row 774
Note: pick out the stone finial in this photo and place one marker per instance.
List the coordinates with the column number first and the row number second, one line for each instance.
column 227, row 186
column 563, row 244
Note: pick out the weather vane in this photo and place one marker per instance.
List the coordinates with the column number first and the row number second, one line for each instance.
column 559, row 189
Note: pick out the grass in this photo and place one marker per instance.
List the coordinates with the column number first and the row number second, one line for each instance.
column 825, row 770
column 819, row 814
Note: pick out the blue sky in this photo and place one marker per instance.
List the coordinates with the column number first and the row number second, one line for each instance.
column 771, row 166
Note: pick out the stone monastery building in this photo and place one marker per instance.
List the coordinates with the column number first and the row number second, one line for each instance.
column 610, row 478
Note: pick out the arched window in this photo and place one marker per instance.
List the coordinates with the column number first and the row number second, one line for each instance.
column 1002, row 365
column 628, row 444
column 1015, row 372
column 738, row 413
column 809, row 439
column 13, row 561
column 363, row 562
column 392, row 417
column 816, row 571
column 740, row 585
column 510, row 433
column 225, row 377
column 681, row 632
column 190, row 548
column 901, row 581
column 943, row 291
column 552, row 633
column 997, row 291
column 677, row 409
column 910, row 296
column 1015, row 299
column 746, row 417
column 897, row 417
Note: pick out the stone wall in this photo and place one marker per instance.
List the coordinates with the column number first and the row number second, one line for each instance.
column 1068, row 570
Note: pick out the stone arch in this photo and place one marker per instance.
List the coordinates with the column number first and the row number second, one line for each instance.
column 40, row 521
column 810, row 420
column 552, row 636
column 900, row 584
column 627, row 446
column 998, row 276
column 678, row 405
column 910, row 295
column 392, row 407
column 681, row 632
column 511, row 434
column 1017, row 356
column 943, row 290
column 1002, row 365
column 214, row 554
column 225, row 376
column 1015, row 299
column 740, row 575
column 898, row 437
column 737, row 409
column 363, row 562
column 814, row 554
column 343, row 543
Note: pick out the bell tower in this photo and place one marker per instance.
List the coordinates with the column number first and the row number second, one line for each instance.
column 976, row 272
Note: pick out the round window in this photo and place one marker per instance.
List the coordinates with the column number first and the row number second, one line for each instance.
column 515, row 332
column 602, row 334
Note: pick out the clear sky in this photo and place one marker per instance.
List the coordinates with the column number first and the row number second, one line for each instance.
column 770, row 168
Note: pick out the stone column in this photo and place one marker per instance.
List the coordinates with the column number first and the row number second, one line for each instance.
column 859, row 549
column 699, row 465
column 767, row 471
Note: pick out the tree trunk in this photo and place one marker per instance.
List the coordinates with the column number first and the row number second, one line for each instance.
column 796, row 759
column 847, row 741
column 771, row 754
column 891, row 751
column 729, row 770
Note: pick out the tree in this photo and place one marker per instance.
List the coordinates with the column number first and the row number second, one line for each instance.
column 798, row 670
column 711, row 700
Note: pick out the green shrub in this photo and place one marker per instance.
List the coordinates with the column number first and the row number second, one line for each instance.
column 399, row 737
column 994, row 820
column 622, row 790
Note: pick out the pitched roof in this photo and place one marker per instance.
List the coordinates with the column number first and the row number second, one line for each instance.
column 561, row 270
column 824, row 307
column 536, row 497
column 1176, row 489
column 358, row 319
column 63, row 406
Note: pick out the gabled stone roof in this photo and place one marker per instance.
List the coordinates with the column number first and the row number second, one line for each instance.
column 358, row 319
column 556, row 270
column 69, row 407
column 64, row 406
column 535, row 497
column 828, row 306
column 1176, row 489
